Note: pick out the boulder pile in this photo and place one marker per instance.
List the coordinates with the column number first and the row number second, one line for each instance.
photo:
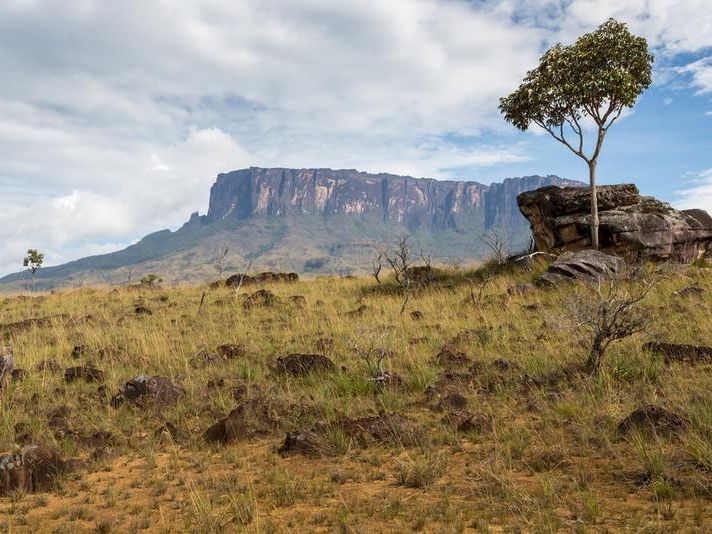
column 630, row 224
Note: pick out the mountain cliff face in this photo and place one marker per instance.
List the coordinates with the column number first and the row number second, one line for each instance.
column 412, row 202
column 314, row 220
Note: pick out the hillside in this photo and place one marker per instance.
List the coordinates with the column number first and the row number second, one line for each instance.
column 487, row 423
column 318, row 221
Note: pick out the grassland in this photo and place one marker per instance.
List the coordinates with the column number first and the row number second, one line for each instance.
column 543, row 455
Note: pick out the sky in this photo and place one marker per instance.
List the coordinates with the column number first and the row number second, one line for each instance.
column 115, row 117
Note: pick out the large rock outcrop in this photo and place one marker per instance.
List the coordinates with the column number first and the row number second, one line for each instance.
column 629, row 223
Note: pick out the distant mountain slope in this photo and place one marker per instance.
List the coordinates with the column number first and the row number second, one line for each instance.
column 314, row 220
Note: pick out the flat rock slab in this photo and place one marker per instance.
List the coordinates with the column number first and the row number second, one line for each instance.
column 677, row 352
column 584, row 265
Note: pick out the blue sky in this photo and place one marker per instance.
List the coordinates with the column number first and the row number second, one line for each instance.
column 115, row 117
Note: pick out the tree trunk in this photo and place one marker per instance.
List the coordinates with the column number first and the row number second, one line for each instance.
column 594, row 204
column 593, row 365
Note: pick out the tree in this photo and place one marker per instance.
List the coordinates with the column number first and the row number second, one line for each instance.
column 32, row 262
column 610, row 310
column 592, row 80
column 150, row 280
column 219, row 256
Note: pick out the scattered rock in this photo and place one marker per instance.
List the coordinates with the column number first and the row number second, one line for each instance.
column 651, row 418
column 79, row 350
column 465, row 421
column 384, row 429
column 143, row 390
column 232, row 351
column 584, row 265
column 503, row 364
column 31, row 469
column 251, row 417
column 521, row 289
column 298, row 300
column 306, row 443
column 453, row 401
column 629, row 223
column 88, row 374
column 676, row 352
column 27, row 324
column 18, row 375
column 358, row 312
column 450, row 357
column 50, row 365
column 262, row 298
column 303, row 364
column 690, row 291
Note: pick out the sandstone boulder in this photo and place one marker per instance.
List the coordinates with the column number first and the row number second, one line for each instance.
column 629, row 223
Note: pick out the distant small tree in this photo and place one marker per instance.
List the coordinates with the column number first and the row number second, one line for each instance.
column 150, row 280
column 498, row 246
column 219, row 256
column 595, row 79
column 377, row 263
column 33, row 262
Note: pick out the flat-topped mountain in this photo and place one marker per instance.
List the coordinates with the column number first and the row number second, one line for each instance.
column 413, row 202
column 316, row 220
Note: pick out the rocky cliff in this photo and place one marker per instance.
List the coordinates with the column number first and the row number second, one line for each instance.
column 412, row 202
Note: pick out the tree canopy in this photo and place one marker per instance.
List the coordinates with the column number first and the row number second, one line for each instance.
column 598, row 76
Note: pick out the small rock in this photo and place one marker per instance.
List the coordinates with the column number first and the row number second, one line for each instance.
column 142, row 310
column 88, row 374
column 358, row 312
column 467, row 422
column 651, row 418
column 143, row 389
column 79, row 350
column 261, row 298
column 232, row 351
column 521, row 289
column 19, row 375
column 303, row 364
column 690, row 291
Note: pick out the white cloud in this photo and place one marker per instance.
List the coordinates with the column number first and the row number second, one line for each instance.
column 698, row 194
column 700, row 72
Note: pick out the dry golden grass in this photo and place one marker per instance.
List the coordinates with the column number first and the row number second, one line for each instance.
column 547, row 458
